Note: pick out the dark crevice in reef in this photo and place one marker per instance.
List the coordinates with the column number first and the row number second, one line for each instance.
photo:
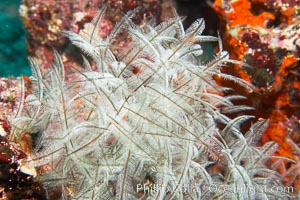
column 194, row 9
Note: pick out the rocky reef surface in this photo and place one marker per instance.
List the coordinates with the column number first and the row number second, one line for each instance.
column 263, row 34
column 266, row 35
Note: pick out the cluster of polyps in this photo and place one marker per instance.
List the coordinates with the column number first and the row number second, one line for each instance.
column 148, row 115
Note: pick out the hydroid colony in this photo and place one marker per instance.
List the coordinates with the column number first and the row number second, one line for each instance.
column 149, row 116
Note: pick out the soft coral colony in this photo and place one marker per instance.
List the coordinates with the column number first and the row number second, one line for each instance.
column 149, row 122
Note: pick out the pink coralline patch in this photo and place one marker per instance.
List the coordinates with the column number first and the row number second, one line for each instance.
column 45, row 19
column 105, row 28
column 252, row 39
column 263, row 57
column 282, row 3
column 261, row 54
column 10, row 91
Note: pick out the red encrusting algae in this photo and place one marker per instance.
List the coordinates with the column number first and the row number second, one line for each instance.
column 265, row 35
